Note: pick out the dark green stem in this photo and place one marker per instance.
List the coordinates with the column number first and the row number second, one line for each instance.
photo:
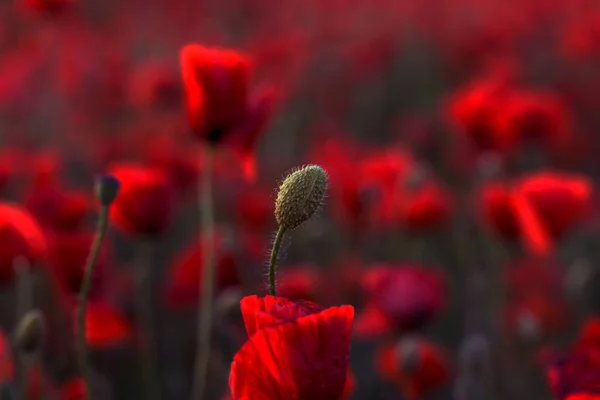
column 206, row 283
column 84, row 293
column 145, row 318
column 273, row 262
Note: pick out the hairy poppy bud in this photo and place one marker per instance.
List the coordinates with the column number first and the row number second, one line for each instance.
column 29, row 333
column 300, row 196
column 107, row 189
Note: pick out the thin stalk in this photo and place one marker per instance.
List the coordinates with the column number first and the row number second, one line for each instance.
column 145, row 318
column 206, row 283
column 24, row 304
column 273, row 261
column 86, row 285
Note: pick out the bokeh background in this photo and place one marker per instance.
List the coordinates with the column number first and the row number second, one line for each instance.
column 441, row 126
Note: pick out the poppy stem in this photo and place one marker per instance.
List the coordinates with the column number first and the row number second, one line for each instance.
column 145, row 318
column 206, row 283
column 24, row 304
column 84, row 293
column 273, row 261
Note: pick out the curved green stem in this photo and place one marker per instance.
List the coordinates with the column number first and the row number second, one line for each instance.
column 84, row 293
column 206, row 283
column 273, row 261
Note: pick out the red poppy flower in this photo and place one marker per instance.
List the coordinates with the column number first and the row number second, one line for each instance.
column 474, row 110
column 105, row 326
column 20, row 236
column 497, row 211
column 74, row 389
column 416, row 366
column 71, row 210
column 425, row 208
column 539, row 209
column 532, row 115
column 578, row 372
column 400, row 298
column 216, row 89
column 143, row 205
column 68, row 253
column 182, row 288
column 296, row 350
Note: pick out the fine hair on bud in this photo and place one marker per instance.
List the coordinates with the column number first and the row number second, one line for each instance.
column 30, row 332
column 300, row 196
column 107, row 189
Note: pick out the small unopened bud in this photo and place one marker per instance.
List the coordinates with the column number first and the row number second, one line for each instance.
column 107, row 189
column 29, row 333
column 300, row 196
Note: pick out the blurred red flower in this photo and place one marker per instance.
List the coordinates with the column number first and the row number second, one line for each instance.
column 399, row 298
column 216, row 89
column 143, row 205
column 296, row 350
column 68, row 253
column 105, row 326
column 183, row 287
column 415, row 365
column 20, row 236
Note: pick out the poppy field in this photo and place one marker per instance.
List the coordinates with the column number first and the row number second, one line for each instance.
column 299, row 200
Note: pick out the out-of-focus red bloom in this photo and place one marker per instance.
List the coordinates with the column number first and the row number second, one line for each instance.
column 425, row 208
column 415, row 365
column 254, row 208
column 68, row 254
column 589, row 334
column 181, row 165
column 10, row 165
column 539, row 209
column 576, row 373
column 583, row 396
column 532, row 115
column 400, row 298
column 474, row 110
column 143, row 205
column 74, row 389
column 71, row 211
column 50, row 7
column 296, row 350
column 216, row 89
column 245, row 135
column 20, row 236
column 497, row 211
column 153, row 84
column 105, row 326
column 182, row 288
column 298, row 283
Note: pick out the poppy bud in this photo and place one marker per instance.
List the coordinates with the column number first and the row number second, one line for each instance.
column 300, row 196
column 107, row 189
column 29, row 333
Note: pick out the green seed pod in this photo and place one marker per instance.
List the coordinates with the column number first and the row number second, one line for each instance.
column 300, row 196
column 30, row 332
